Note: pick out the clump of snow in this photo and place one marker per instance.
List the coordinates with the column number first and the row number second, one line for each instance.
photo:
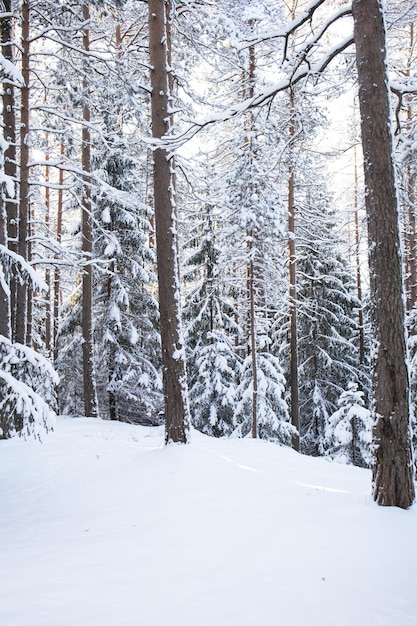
column 103, row 524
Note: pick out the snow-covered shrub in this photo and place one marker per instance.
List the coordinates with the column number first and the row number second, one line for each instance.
column 272, row 412
column 348, row 436
column 213, row 388
column 27, row 391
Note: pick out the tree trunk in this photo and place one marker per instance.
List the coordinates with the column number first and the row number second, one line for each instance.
column 30, row 292
column 295, row 417
column 48, row 307
column 253, row 346
column 57, row 273
column 411, row 198
column 5, row 328
column 177, row 419
column 90, row 397
column 22, row 288
column 9, row 235
column 393, row 467
column 357, row 262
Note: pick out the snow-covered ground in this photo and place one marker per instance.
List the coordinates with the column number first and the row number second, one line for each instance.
column 101, row 525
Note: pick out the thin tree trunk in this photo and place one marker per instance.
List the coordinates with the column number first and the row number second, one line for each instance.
column 5, row 328
column 253, row 347
column 111, row 354
column 295, row 410
column 177, row 419
column 411, row 199
column 393, row 466
column 30, row 291
column 9, row 133
column 248, row 86
column 412, row 261
column 357, row 262
column 57, row 273
column 48, row 307
column 90, row 397
column 22, row 289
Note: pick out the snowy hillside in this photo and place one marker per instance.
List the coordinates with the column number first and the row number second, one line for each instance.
column 101, row 525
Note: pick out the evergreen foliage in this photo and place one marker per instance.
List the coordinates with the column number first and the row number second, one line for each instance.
column 27, row 391
column 348, row 436
column 212, row 363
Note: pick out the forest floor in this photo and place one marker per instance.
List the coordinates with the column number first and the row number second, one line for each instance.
column 102, row 525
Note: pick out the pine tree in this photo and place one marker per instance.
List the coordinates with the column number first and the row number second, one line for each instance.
column 327, row 326
column 348, row 435
column 125, row 310
column 212, row 362
column 393, row 468
column 177, row 418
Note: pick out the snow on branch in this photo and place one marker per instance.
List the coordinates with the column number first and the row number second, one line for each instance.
column 25, row 405
column 7, row 68
column 27, row 390
column 172, row 142
column 25, row 271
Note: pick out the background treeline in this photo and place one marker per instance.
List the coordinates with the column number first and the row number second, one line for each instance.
column 272, row 256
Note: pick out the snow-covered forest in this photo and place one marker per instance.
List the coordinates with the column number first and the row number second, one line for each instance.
column 208, row 221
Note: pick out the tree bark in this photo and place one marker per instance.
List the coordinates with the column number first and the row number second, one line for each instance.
column 177, row 418
column 57, row 273
column 10, row 218
column 22, row 288
column 48, row 306
column 393, row 467
column 5, row 328
column 90, row 396
column 357, row 262
column 294, row 388
column 410, row 192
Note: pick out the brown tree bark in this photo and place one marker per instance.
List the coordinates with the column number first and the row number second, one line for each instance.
column 410, row 191
column 294, row 388
column 24, row 204
column 90, row 396
column 9, row 208
column 357, row 262
column 393, row 468
column 48, row 305
column 5, row 328
column 177, row 419
column 57, row 273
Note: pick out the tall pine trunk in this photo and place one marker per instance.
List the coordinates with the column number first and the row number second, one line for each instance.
column 24, row 201
column 9, row 204
column 410, row 194
column 90, row 396
column 294, row 387
column 8, row 162
column 393, row 467
column 177, row 418
column 48, row 305
column 57, row 273
column 5, row 328
column 357, row 261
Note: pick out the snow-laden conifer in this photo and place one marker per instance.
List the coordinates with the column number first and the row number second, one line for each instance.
column 212, row 363
column 348, row 435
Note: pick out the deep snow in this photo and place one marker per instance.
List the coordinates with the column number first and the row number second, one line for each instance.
column 101, row 525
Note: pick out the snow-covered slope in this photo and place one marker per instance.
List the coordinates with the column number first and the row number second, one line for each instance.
column 101, row 525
